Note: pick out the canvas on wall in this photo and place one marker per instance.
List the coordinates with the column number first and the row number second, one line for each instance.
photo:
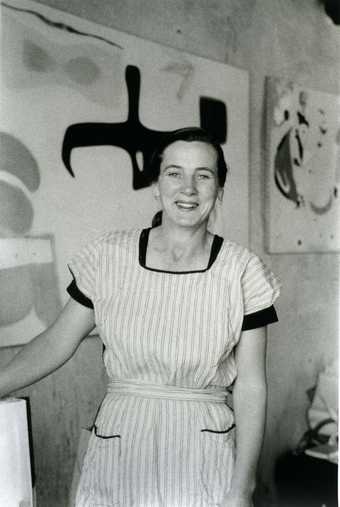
column 81, row 108
column 303, row 169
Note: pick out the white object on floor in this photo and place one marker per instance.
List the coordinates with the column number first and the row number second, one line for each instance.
column 15, row 464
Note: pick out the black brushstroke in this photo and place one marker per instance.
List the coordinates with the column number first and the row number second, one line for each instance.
column 283, row 171
column 299, row 144
column 213, row 117
column 332, row 9
column 302, row 119
column 61, row 26
column 132, row 136
column 285, row 162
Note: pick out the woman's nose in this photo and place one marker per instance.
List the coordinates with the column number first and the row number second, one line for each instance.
column 189, row 185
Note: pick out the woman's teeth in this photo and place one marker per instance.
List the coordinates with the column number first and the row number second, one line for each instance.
column 186, row 205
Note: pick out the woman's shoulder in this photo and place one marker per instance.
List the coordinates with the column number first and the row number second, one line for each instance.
column 118, row 238
column 240, row 260
column 114, row 239
column 246, row 265
column 234, row 253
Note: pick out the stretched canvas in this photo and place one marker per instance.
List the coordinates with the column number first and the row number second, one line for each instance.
column 303, row 169
column 81, row 108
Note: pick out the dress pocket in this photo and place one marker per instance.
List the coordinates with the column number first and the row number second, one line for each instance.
column 100, row 479
column 217, row 462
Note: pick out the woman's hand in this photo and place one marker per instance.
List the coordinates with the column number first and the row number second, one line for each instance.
column 237, row 500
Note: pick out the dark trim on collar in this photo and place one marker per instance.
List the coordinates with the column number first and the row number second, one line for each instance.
column 143, row 245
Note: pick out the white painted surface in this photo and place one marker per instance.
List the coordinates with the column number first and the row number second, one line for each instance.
column 22, row 251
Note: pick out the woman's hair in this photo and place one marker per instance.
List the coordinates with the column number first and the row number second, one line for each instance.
column 187, row 134
column 157, row 219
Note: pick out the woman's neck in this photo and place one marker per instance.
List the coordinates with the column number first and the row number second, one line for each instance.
column 179, row 244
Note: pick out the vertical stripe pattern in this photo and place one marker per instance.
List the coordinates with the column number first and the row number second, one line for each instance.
column 165, row 329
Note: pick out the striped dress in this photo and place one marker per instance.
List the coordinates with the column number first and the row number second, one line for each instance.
column 164, row 433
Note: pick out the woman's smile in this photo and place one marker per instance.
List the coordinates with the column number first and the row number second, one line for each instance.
column 186, row 206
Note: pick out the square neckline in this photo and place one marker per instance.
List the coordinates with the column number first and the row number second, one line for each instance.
column 143, row 245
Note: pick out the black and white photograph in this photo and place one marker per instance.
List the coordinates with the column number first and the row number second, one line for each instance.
column 169, row 253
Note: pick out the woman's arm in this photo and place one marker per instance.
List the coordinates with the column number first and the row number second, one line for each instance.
column 249, row 400
column 49, row 350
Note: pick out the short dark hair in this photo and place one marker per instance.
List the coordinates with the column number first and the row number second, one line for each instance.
column 187, row 134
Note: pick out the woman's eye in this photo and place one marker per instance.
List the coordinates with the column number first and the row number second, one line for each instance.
column 173, row 174
column 204, row 176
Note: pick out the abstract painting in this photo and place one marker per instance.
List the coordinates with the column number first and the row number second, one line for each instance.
column 82, row 107
column 303, row 169
column 29, row 296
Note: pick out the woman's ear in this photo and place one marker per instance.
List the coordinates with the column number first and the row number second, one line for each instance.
column 155, row 190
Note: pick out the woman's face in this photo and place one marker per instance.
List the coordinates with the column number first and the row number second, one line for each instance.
column 188, row 183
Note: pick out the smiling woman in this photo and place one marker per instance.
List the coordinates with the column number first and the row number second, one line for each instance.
column 188, row 182
column 188, row 173
column 182, row 313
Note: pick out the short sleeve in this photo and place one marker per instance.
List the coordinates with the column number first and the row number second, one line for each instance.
column 260, row 286
column 83, row 267
column 78, row 295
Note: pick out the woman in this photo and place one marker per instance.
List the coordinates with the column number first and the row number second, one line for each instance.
column 182, row 315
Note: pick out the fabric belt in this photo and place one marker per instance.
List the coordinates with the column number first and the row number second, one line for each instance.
column 210, row 394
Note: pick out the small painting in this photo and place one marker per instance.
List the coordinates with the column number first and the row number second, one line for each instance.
column 303, row 169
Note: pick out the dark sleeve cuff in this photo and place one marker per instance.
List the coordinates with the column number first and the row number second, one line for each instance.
column 260, row 318
column 78, row 295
